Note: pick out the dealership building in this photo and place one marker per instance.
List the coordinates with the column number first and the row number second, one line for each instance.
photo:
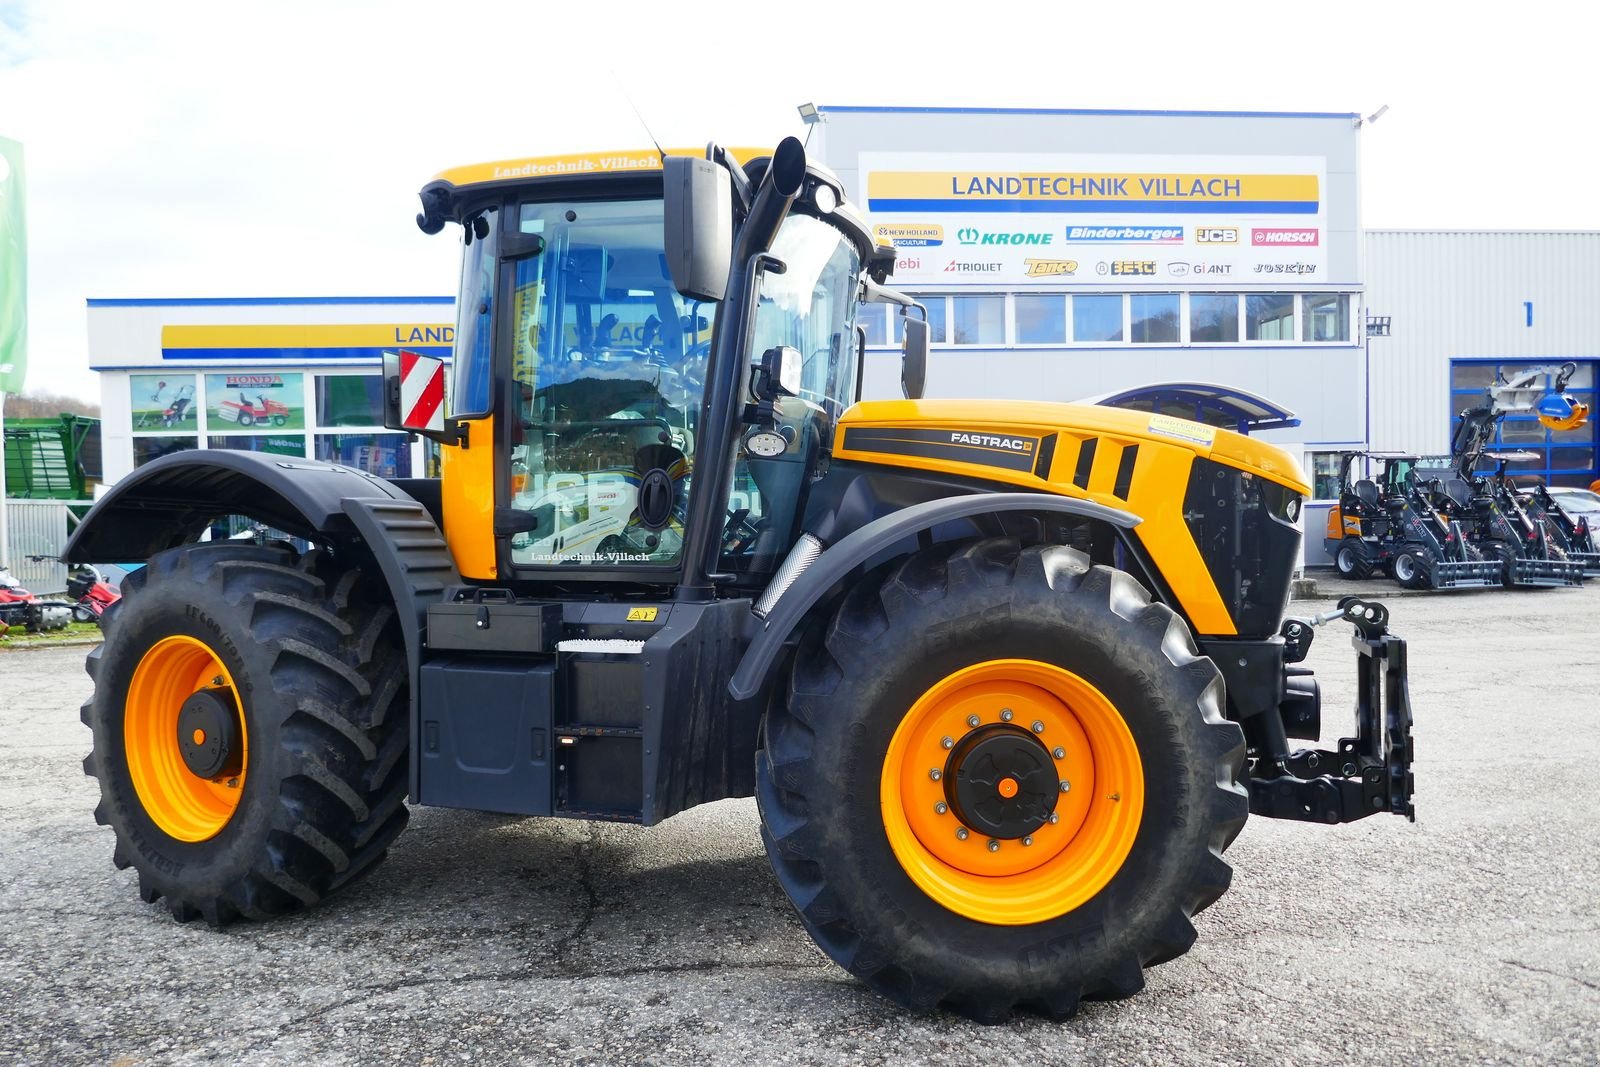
column 1061, row 255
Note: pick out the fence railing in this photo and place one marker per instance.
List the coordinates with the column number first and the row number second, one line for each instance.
column 38, row 528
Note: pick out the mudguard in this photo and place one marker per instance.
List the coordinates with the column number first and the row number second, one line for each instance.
column 169, row 502
column 862, row 544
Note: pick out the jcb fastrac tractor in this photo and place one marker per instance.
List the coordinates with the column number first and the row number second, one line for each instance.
column 1006, row 678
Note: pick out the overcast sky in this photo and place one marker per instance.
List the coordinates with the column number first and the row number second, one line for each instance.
column 241, row 149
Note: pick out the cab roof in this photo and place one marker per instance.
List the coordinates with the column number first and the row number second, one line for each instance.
column 578, row 165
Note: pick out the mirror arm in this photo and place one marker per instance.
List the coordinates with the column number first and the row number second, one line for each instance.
column 873, row 293
column 740, row 180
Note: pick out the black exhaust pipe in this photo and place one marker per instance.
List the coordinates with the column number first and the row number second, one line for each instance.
column 786, row 174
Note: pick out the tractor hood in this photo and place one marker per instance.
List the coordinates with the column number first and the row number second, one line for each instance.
column 1029, row 441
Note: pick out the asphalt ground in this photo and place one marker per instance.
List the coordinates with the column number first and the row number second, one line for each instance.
column 1471, row 936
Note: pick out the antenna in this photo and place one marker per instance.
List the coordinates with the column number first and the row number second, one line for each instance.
column 662, row 152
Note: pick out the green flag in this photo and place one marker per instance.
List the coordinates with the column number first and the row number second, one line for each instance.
column 13, row 271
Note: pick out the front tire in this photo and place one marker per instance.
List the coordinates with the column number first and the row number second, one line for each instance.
column 926, row 915
column 1351, row 559
column 1413, row 568
column 295, row 669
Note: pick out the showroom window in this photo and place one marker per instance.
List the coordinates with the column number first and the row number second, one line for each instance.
column 349, row 400
column 1096, row 319
column 1154, row 318
column 978, row 320
column 1213, row 318
column 875, row 319
column 1325, row 475
column 1326, row 317
column 1561, row 457
column 1041, row 319
column 935, row 306
column 1269, row 317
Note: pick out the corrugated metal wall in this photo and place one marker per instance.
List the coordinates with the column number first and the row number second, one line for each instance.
column 1454, row 294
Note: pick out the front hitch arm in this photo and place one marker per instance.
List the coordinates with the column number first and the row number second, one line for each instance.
column 1368, row 773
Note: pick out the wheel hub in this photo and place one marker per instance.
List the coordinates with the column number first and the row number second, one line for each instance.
column 208, row 734
column 1000, row 781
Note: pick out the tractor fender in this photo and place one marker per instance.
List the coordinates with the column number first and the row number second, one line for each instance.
column 861, row 545
column 170, row 501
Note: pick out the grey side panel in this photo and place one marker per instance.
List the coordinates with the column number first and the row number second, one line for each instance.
column 170, row 501
column 417, row 566
column 855, row 548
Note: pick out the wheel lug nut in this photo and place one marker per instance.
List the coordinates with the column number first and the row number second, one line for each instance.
column 1059, row 752
column 1066, row 786
column 940, row 808
column 945, row 742
column 961, row 834
column 994, row 846
column 1054, row 818
column 1005, row 715
column 1026, row 841
column 973, row 721
column 1038, row 727
column 937, row 774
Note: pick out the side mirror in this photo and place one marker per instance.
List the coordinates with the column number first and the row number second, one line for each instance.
column 778, row 374
column 697, row 226
column 914, row 357
column 413, row 396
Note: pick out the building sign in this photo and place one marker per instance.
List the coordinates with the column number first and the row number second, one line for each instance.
column 304, row 344
column 246, row 401
column 1099, row 220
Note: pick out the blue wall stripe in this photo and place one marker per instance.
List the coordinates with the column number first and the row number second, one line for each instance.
column 299, row 355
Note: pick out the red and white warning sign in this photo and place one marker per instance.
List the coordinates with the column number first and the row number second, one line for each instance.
column 421, row 392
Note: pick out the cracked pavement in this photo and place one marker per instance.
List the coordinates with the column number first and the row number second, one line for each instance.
column 1472, row 936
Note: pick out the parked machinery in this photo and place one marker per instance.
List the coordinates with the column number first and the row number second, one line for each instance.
column 1005, row 678
column 1504, row 529
column 1404, row 523
column 1573, row 536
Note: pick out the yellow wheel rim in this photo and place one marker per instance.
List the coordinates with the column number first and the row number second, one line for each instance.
column 1066, row 861
column 184, row 805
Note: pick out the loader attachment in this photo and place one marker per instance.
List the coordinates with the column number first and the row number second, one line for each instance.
column 1546, row 572
column 1368, row 773
column 1465, row 574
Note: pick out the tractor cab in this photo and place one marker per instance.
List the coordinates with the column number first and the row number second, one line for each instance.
column 616, row 417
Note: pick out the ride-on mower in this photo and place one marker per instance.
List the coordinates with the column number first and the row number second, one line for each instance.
column 1005, row 678
column 1405, row 523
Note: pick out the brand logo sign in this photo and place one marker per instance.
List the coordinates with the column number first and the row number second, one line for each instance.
column 961, row 266
column 1143, row 268
column 1178, row 270
column 1211, row 268
column 1125, row 235
column 969, row 235
column 1285, row 268
column 910, row 234
column 1279, row 237
column 1051, row 268
column 984, row 440
column 1217, row 235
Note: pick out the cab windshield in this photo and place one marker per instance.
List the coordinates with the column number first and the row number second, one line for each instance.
column 608, row 375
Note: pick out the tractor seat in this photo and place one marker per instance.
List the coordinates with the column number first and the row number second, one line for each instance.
column 1367, row 493
column 1458, row 492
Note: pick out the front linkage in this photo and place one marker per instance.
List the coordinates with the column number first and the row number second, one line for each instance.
column 1370, row 772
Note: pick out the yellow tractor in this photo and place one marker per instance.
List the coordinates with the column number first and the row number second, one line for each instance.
column 1005, row 678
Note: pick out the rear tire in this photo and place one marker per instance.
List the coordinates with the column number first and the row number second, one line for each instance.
column 825, row 781
column 1413, row 568
column 1351, row 560
column 312, row 660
